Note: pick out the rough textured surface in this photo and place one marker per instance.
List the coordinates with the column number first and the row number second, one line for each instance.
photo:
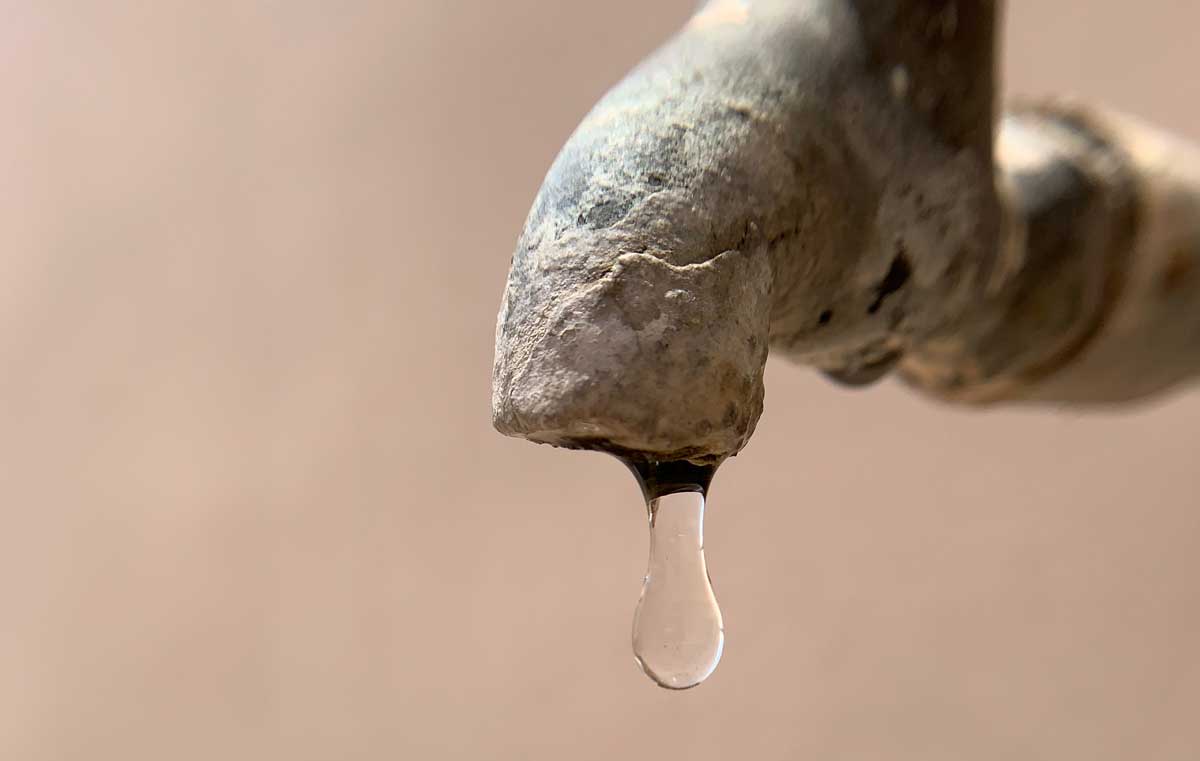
column 818, row 174
column 1097, row 298
column 1072, row 217
column 569, row 378
column 762, row 177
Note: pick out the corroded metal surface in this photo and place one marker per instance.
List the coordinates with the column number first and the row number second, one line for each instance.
column 817, row 175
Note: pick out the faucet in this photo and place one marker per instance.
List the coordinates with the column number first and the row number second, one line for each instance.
column 829, row 179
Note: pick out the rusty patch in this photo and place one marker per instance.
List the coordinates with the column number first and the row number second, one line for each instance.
column 1181, row 266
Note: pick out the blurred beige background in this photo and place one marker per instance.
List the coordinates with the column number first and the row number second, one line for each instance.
column 253, row 507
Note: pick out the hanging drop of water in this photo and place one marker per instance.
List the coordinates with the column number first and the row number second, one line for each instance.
column 678, row 633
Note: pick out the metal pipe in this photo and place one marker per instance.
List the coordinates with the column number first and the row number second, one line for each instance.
column 818, row 175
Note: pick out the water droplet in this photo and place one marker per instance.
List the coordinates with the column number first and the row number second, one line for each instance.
column 678, row 633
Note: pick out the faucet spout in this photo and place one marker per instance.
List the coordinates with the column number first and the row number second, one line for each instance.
column 753, row 182
column 817, row 175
